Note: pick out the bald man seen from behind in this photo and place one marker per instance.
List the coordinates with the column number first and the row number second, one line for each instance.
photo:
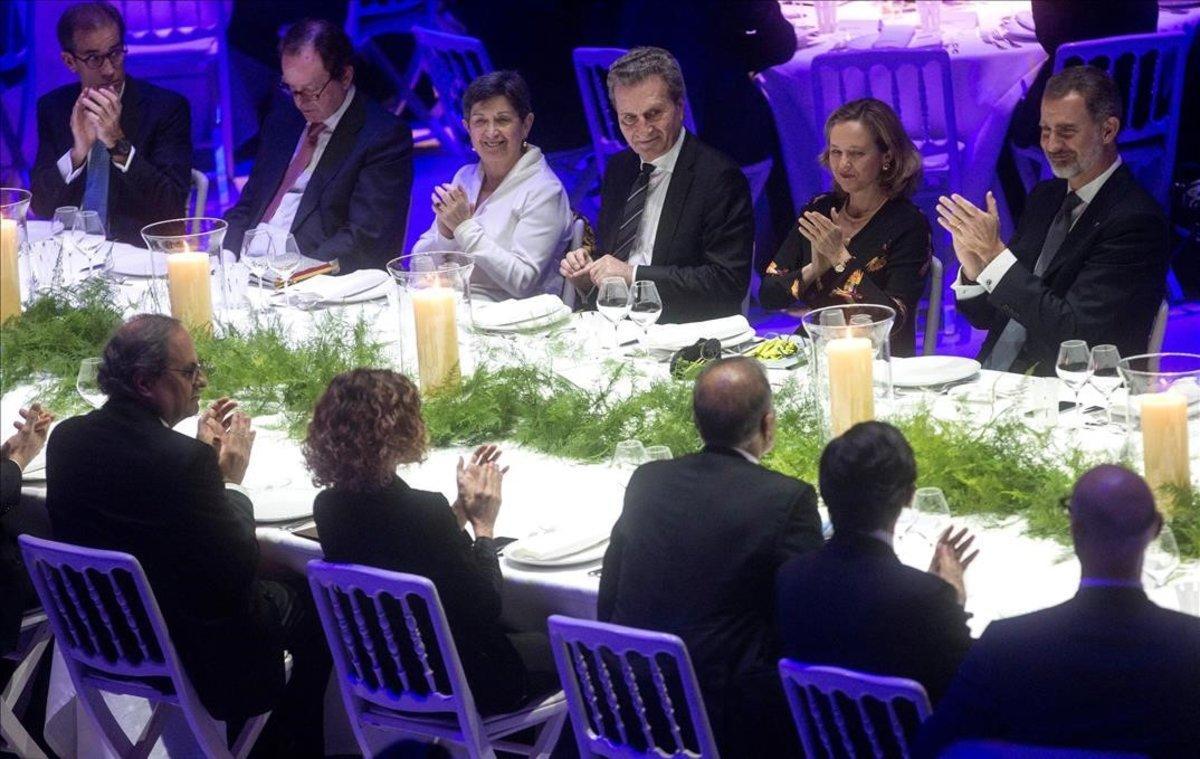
column 1107, row 670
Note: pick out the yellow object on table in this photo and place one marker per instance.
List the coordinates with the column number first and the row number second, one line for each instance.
column 190, row 288
column 851, row 382
column 10, row 271
column 437, row 337
column 1165, row 444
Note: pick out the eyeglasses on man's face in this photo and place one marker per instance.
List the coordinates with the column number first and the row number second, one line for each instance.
column 191, row 371
column 304, row 96
column 95, row 61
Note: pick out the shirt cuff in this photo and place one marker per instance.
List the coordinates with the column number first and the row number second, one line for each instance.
column 128, row 160
column 236, row 488
column 67, row 170
column 991, row 275
column 633, row 277
column 964, row 290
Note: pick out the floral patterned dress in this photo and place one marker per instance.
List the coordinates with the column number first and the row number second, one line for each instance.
column 889, row 267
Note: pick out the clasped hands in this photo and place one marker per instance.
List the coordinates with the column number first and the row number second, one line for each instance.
column 30, row 436
column 578, row 268
column 95, row 116
column 825, row 238
column 479, row 482
column 451, row 208
column 976, row 232
column 228, row 432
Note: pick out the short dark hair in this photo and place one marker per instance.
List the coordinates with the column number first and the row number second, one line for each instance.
column 729, row 400
column 1098, row 90
column 641, row 63
column 140, row 346
column 87, row 16
column 328, row 39
column 507, row 84
column 867, row 476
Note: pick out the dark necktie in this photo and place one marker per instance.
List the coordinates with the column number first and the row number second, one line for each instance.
column 95, row 186
column 631, row 215
column 295, row 168
column 1012, row 339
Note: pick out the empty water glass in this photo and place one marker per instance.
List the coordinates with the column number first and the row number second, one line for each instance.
column 933, row 512
column 87, row 382
column 658, row 453
column 1162, row 558
column 629, row 454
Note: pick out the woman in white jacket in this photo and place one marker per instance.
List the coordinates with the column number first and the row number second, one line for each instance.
column 510, row 210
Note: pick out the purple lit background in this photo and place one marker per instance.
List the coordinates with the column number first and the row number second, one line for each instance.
column 560, row 129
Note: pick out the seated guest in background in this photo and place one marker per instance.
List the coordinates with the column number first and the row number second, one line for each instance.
column 509, row 209
column 876, row 614
column 1107, row 670
column 366, row 424
column 865, row 242
column 1089, row 258
column 696, row 548
column 121, row 479
column 16, row 591
column 336, row 169
column 112, row 144
column 672, row 210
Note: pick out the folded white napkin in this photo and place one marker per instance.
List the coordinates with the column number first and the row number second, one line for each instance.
column 676, row 336
column 491, row 315
column 330, row 288
column 564, row 541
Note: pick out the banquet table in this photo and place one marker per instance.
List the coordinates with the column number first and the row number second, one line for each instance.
column 547, row 495
column 988, row 79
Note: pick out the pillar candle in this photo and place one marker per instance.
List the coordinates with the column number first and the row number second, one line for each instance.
column 437, row 337
column 190, row 288
column 10, row 272
column 1165, row 444
column 851, row 391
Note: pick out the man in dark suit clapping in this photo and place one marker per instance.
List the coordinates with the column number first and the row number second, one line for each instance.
column 672, row 210
column 1107, row 670
column 695, row 550
column 336, row 169
column 875, row 614
column 112, row 144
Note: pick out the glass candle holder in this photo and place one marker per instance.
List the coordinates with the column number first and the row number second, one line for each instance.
column 14, row 207
column 434, row 301
column 1163, row 420
column 187, row 252
column 850, row 361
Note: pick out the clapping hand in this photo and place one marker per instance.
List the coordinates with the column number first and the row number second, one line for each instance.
column 950, row 561
column 976, row 232
column 825, row 238
column 575, row 267
column 83, row 132
column 451, row 207
column 103, row 111
column 610, row 266
column 233, row 449
column 30, row 436
column 479, row 484
column 214, row 421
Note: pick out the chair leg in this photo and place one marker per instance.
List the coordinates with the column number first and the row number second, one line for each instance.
column 548, row 736
column 249, row 735
column 13, row 734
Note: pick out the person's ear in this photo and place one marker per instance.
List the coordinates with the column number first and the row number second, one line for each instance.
column 768, row 429
column 1112, row 125
column 69, row 61
column 526, row 126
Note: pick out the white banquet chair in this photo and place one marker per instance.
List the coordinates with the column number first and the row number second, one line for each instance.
column 35, row 637
column 852, row 708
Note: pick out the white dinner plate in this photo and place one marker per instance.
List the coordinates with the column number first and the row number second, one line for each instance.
column 1014, row 30
column 729, row 342
column 132, row 261
column 514, row 555
column 923, row 371
column 537, row 322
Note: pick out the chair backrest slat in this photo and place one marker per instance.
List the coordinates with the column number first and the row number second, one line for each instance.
column 368, row 640
column 571, row 641
column 126, row 608
column 418, row 643
column 807, row 686
column 332, row 601
column 389, row 639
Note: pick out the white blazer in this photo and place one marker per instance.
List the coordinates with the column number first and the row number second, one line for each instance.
column 517, row 235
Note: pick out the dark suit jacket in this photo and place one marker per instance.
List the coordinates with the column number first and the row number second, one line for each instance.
column 702, row 249
column 1104, row 285
column 355, row 206
column 854, row 605
column 157, row 122
column 414, row 531
column 694, row 553
column 12, row 585
column 118, row 479
column 1106, row 670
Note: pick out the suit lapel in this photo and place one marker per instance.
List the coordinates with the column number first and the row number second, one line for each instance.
column 1089, row 220
column 677, row 193
column 334, row 157
column 131, row 109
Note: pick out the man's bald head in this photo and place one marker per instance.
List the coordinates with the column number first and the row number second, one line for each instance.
column 729, row 401
column 1113, row 518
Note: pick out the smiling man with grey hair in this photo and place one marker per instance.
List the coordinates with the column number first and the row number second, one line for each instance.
column 673, row 210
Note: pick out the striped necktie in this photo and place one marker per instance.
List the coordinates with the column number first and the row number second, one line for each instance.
column 631, row 216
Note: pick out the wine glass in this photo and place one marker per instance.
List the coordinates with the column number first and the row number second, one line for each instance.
column 646, row 305
column 87, row 235
column 1162, row 557
column 87, row 383
column 930, row 505
column 1105, row 376
column 257, row 250
column 658, row 453
column 1072, row 367
column 64, row 219
column 284, row 260
column 613, row 302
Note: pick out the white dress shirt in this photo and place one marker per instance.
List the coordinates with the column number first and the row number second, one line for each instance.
column 656, row 195
column 286, row 211
column 991, row 275
column 69, row 172
column 517, row 234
